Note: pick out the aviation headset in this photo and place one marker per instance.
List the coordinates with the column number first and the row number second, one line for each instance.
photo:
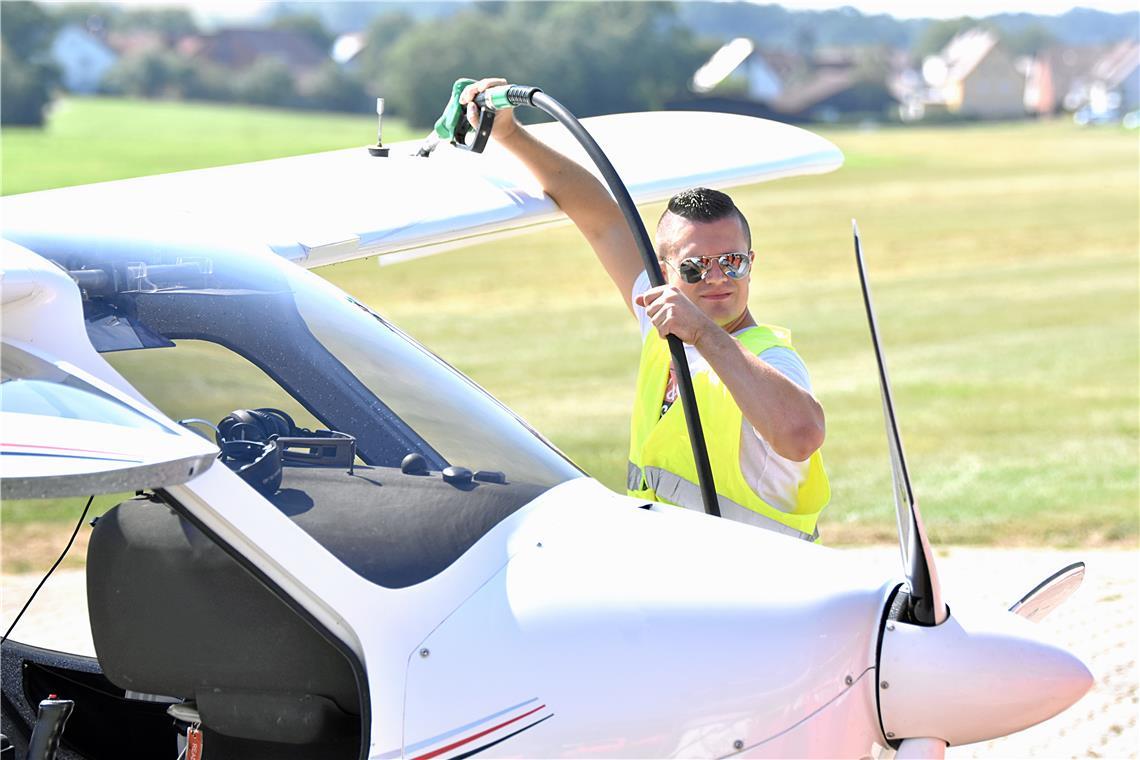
column 248, row 440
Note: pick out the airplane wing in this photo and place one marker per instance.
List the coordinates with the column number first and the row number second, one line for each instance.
column 342, row 205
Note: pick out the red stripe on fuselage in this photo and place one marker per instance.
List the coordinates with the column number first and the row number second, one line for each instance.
column 473, row 737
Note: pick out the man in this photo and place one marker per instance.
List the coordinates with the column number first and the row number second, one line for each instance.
column 763, row 427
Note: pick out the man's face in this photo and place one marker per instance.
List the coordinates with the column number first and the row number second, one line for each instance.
column 720, row 297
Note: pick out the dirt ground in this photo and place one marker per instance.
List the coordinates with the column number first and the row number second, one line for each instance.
column 1099, row 623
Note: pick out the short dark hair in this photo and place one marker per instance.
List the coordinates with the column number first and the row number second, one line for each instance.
column 703, row 204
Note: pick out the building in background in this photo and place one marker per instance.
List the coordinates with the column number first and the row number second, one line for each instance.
column 1112, row 87
column 828, row 85
column 83, row 58
column 239, row 49
column 974, row 77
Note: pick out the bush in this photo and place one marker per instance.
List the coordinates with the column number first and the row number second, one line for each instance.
column 267, row 82
column 146, row 75
column 331, row 89
column 27, row 78
column 25, row 90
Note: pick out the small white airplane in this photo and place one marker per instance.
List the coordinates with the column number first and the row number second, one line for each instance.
column 425, row 576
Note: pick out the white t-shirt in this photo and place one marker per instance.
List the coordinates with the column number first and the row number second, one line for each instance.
column 775, row 479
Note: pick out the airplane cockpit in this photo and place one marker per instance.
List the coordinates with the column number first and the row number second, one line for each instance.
column 402, row 462
column 392, row 460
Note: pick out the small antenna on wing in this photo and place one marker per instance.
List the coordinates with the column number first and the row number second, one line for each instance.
column 378, row 149
column 926, row 606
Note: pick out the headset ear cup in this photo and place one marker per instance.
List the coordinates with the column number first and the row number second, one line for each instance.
column 264, row 472
column 258, row 463
column 276, row 421
column 241, row 424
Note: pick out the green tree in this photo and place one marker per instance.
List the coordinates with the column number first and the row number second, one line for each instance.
column 937, row 34
column 25, row 90
column 308, row 26
column 27, row 77
column 1029, row 40
column 594, row 57
column 26, row 29
column 172, row 23
column 331, row 89
column 267, row 82
column 371, row 69
column 145, row 75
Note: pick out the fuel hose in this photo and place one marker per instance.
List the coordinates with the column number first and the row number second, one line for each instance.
column 521, row 95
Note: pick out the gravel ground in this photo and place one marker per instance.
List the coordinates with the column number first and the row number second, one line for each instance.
column 1099, row 623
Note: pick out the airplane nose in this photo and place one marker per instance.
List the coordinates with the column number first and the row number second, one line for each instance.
column 979, row 675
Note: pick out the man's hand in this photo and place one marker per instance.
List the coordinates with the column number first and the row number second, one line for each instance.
column 672, row 313
column 576, row 191
column 505, row 124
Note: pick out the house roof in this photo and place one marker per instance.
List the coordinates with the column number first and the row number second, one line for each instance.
column 819, row 88
column 136, row 41
column 968, row 49
column 1117, row 64
column 240, row 48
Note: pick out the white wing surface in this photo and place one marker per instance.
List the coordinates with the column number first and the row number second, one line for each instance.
column 342, row 205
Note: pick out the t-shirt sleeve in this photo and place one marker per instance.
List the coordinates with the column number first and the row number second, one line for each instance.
column 640, row 285
column 789, row 364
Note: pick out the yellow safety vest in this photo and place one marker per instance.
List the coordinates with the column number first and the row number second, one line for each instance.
column 661, row 466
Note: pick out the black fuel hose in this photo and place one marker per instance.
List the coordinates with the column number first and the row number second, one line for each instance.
column 519, row 95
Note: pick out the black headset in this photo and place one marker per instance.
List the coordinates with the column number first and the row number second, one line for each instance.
column 248, row 440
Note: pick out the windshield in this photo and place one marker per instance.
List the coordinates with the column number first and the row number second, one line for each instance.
column 462, row 423
column 351, row 369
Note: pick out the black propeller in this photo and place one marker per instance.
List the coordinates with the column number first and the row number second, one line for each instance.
column 926, row 605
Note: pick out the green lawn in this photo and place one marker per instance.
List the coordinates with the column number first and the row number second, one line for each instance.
column 97, row 139
column 1004, row 261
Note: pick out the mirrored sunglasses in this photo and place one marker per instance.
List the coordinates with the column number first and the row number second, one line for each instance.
column 694, row 269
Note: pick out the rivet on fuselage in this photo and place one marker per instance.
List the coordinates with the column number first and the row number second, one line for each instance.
column 738, row 745
column 848, row 680
column 890, row 734
column 425, row 652
column 890, row 626
column 885, row 685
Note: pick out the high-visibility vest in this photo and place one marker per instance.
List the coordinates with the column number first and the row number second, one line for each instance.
column 661, row 465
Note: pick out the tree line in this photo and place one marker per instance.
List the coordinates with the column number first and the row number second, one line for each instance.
column 596, row 58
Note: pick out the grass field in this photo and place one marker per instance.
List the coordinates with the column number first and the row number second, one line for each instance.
column 1004, row 260
column 97, row 139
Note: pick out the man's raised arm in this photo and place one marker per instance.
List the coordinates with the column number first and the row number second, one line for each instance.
column 576, row 191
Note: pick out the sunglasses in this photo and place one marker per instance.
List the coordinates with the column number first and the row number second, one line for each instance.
column 693, row 269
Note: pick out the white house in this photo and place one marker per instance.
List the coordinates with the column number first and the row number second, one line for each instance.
column 82, row 58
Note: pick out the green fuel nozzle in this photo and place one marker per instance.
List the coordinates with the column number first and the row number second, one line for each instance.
column 452, row 124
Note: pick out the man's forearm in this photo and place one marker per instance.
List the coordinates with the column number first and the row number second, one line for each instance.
column 576, row 191
column 586, row 201
column 787, row 416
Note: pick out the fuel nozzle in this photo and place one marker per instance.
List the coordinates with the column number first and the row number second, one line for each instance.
column 452, row 125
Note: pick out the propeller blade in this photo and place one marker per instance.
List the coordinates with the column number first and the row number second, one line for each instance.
column 921, row 749
column 927, row 607
column 1050, row 593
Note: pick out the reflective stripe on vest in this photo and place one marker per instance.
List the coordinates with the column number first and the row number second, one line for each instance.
column 661, row 442
column 676, row 490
